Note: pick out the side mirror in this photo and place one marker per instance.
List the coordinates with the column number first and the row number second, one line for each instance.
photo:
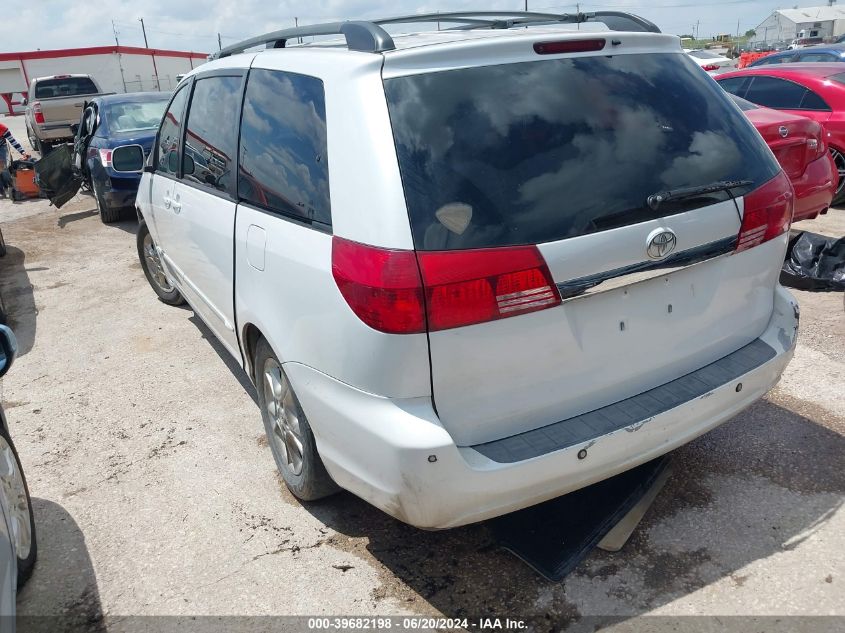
column 24, row 101
column 173, row 161
column 74, row 129
column 127, row 158
column 8, row 348
column 188, row 165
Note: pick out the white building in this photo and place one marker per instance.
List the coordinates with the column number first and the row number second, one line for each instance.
column 787, row 24
column 115, row 68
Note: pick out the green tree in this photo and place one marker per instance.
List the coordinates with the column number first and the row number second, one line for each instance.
column 750, row 33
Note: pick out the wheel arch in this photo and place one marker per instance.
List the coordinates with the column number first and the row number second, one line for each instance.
column 250, row 337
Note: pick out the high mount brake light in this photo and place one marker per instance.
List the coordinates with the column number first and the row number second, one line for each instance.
column 768, row 212
column 569, row 46
column 403, row 292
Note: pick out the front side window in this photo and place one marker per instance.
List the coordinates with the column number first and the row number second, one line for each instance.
column 540, row 151
column 169, row 135
column 211, row 137
column 733, row 85
column 284, row 164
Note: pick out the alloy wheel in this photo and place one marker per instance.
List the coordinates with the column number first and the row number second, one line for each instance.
column 286, row 436
column 154, row 265
column 11, row 481
column 839, row 160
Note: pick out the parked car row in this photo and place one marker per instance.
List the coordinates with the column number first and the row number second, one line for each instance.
column 814, row 91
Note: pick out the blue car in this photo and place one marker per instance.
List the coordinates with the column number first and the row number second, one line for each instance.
column 815, row 54
column 114, row 136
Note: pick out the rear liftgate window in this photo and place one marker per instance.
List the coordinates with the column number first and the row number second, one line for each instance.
column 542, row 151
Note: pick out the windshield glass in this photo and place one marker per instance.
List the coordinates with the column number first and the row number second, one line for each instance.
column 132, row 117
column 704, row 54
column 540, row 151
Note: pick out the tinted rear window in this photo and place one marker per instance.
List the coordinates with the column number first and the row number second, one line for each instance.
column 69, row 87
column 135, row 116
column 541, row 151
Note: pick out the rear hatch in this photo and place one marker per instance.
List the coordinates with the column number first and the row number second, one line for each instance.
column 536, row 182
column 62, row 98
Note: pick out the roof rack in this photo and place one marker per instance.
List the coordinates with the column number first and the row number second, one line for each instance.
column 370, row 36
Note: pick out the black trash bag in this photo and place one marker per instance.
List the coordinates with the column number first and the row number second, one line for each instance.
column 814, row 262
column 56, row 176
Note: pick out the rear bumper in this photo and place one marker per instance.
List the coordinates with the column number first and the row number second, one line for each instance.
column 53, row 133
column 815, row 189
column 397, row 456
column 119, row 192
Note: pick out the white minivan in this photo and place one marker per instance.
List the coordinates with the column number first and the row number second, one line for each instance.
column 473, row 269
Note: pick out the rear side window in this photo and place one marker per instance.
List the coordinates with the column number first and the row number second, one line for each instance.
column 211, row 138
column 169, row 135
column 66, row 87
column 812, row 101
column 776, row 93
column 283, row 163
column 818, row 57
column 540, row 151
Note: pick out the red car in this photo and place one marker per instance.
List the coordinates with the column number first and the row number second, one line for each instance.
column 816, row 91
column 798, row 144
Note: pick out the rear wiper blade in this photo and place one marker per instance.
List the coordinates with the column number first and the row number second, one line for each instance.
column 656, row 199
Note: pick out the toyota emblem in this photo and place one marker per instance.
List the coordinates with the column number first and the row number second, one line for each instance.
column 783, row 131
column 660, row 243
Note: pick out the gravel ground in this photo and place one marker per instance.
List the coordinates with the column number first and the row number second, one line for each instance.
column 155, row 492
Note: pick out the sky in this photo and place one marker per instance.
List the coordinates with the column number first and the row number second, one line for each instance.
column 194, row 24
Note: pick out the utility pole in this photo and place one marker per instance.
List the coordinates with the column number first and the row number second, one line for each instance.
column 146, row 45
column 697, row 28
column 296, row 24
column 119, row 62
column 219, row 42
column 144, row 31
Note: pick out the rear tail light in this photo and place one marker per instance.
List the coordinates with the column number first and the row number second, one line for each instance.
column 768, row 212
column 105, row 157
column 382, row 286
column 710, row 67
column 457, row 288
column 466, row 287
column 36, row 111
column 569, row 46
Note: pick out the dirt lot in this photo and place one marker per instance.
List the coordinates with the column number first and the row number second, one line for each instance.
column 155, row 492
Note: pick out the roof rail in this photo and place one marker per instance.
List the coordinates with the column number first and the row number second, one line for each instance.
column 370, row 37
column 614, row 20
column 360, row 36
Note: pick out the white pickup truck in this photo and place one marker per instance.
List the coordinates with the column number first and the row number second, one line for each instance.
column 53, row 104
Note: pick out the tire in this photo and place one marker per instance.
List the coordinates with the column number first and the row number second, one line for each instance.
column 108, row 215
column 2, row 245
column 288, row 430
column 21, row 519
column 839, row 160
column 44, row 148
column 153, row 270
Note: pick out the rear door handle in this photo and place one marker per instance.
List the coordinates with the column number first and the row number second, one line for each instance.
column 177, row 206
